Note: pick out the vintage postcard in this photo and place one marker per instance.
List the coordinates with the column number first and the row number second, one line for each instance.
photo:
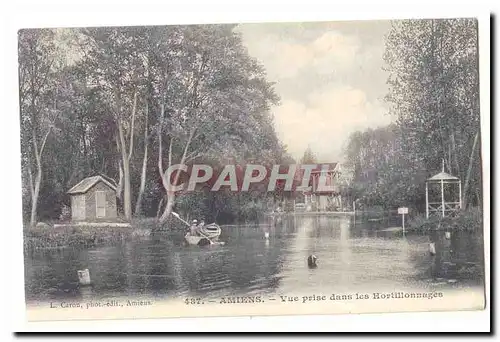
column 252, row 169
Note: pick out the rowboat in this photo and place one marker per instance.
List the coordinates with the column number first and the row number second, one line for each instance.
column 205, row 235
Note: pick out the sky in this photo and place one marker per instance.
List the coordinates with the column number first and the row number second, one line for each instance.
column 329, row 76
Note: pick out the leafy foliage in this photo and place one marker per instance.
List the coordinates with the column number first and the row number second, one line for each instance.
column 115, row 93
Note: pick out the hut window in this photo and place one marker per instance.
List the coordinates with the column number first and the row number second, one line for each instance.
column 100, row 203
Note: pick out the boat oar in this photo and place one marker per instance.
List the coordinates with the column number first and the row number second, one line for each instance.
column 178, row 216
column 199, row 231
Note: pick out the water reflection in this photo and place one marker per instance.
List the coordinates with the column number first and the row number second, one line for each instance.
column 351, row 256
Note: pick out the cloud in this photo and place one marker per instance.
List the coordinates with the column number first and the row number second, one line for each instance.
column 329, row 78
column 290, row 59
column 286, row 59
column 326, row 119
column 334, row 50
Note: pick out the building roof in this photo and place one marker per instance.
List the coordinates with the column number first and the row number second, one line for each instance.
column 86, row 183
column 442, row 176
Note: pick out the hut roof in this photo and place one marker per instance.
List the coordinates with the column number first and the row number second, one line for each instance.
column 442, row 176
column 86, row 183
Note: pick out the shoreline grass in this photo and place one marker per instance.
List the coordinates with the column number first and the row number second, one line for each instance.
column 470, row 220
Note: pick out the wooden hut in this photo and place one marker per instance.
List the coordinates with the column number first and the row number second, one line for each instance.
column 93, row 199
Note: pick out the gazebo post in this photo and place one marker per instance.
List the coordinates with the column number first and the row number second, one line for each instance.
column 426, row 199
column 442, row 196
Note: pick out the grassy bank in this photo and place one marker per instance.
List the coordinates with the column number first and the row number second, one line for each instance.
column 470, row 220
column 47, row 236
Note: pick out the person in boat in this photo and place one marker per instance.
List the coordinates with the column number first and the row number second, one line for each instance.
column 193, row 229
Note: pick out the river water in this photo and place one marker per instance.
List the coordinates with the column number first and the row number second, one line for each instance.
column 352, row 256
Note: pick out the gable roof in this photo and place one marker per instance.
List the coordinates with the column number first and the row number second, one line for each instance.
column 442, row 176
column 86, row 183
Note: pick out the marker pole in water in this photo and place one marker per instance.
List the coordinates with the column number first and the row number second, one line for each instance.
column 84, row 277
column 403, row 224
column 432, row 248
column 402, row 211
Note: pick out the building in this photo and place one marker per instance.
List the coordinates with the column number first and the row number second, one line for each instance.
column 323, row 190
column 328, row 198
column 93, row 199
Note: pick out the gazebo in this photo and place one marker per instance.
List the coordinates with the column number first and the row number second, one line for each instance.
column 445, row 206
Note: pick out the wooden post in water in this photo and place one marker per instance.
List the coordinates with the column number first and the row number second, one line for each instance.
column 354, row 210
column 403, row 223
column 402, row 211
column 432, row 248
column 84, row 277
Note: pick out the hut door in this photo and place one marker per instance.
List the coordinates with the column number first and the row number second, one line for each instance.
column 78, row 207
column 100, row 202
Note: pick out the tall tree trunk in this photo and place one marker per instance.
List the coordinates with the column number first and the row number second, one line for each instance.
column 171, row 194
column 168, row 208
column 138, row 204
column 35, row 186
column 127, row 200
column 455, row 154
column 140, row 195
column 119, row 186
column 127, row 197
column 478, row 198
column 469, row 171
column 34, row 197
column 159, row 207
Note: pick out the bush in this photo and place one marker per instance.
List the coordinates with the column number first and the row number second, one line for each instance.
column 468, row 220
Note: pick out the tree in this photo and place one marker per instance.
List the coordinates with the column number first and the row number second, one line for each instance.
column 308, row 157
column 434, row 93
column 216, row 103
column 117, row 65
column 36, row 66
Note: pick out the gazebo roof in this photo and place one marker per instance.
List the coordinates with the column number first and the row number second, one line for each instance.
column 442, row 176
